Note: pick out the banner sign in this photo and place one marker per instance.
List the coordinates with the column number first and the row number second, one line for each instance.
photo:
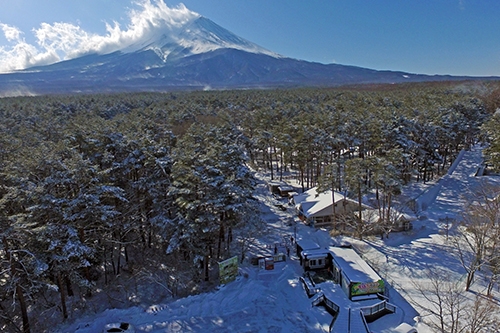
column 358, row 288
column 228, row 270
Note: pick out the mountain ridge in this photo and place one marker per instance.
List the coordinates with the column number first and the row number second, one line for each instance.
column 196, row 55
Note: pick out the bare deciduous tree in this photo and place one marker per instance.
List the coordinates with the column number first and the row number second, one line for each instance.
column 477, row 239
column 481, row 316
column 451, row 309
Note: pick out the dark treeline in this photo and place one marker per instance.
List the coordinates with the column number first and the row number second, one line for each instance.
column 93, row 188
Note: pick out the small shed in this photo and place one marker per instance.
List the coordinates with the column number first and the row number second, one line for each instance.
column 274, row 187
column 355, row 276
column 315, row 259
column 266, row 263
column 284, row 190
column 304, row 245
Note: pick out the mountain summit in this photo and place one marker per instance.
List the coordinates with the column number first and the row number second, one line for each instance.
column 196, row 36
column 177, row 49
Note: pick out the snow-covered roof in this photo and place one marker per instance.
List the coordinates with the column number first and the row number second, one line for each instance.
column 307, row 244
column 373, row 216
column 285, row 188
column 353, row 266
column 313, row 195
column 312, row 203
column 315, row 253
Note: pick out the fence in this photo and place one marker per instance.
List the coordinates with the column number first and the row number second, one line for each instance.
column 329, row 305
column 363, row 320
column 309, row 287
column 366, row 314
column 371, row 313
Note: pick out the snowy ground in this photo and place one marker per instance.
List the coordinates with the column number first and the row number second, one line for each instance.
column 275, row 301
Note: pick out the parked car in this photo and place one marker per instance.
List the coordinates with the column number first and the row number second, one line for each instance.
column 119, row 328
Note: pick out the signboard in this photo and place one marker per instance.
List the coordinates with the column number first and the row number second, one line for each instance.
column 269, row 262
column 228, row 270
column 358, row 288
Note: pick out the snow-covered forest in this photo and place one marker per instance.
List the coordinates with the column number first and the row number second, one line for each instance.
column 100, row 194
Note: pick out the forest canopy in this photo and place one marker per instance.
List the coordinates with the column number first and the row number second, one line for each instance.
column 91, row 183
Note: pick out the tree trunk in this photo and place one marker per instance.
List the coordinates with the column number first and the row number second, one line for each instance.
column 377, row 197
column 302, row 179
column 271, row 161
column 126, row 253
column 119, row 259
column 281, row 165
column 307, row 174
column 19, row 290
column 69, row 288
column 205, row 268
column 24, row 309
column 105, row 266
column 220, row 240
column 277, row 161
column 334, row 218
column 229, row 235
column 389, row 203
column 112, row 259
column 490, row 287
column 81, row 233
column 150, row 236
column 63, row 296
column 470, row 279
column 360, row 218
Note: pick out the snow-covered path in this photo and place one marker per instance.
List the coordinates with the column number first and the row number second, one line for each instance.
column 444, row 196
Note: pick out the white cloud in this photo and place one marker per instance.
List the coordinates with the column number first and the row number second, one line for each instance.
column 60, row 41
column 10, row 32
column 21, row 54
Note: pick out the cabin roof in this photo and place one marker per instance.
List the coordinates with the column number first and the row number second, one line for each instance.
column 353, row 266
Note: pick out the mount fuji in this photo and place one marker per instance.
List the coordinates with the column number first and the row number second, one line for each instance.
column 190, row 54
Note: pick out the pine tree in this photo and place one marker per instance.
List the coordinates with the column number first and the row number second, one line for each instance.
column 211, row 185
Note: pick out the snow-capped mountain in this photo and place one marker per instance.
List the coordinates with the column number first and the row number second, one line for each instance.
column 194, row 53
column 198, row 36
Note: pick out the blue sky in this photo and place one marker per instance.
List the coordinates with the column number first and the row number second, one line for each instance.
column 458, row 37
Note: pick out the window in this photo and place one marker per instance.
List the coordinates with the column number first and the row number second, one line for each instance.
column 316, row 262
